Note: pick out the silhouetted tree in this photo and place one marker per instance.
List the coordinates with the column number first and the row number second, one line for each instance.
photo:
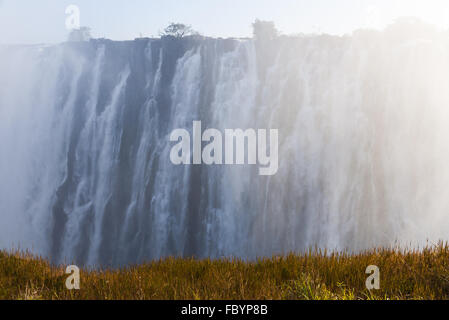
column 264, row 30
column 178, row 30
column 410, row 27
column 81, row 34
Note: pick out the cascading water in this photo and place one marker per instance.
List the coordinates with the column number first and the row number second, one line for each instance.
column 85, row 170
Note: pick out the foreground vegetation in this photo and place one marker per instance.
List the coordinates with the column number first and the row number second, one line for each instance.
column 420, row 274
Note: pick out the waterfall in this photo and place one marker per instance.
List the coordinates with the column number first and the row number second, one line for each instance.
column 85, row 171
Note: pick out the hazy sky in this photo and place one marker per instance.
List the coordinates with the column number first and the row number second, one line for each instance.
column 43, row 21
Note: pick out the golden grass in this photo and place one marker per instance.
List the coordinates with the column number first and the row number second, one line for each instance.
column 404, row 275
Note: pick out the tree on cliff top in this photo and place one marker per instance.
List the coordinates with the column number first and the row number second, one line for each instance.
column 264, row 30
column 178, row 30
column 79, row 35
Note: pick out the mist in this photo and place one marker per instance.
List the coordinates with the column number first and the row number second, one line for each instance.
column 85, row 170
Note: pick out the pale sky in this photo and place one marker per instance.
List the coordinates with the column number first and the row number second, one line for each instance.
column 43, row 21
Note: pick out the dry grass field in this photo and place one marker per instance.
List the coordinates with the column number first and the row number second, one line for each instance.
column 413, row 274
